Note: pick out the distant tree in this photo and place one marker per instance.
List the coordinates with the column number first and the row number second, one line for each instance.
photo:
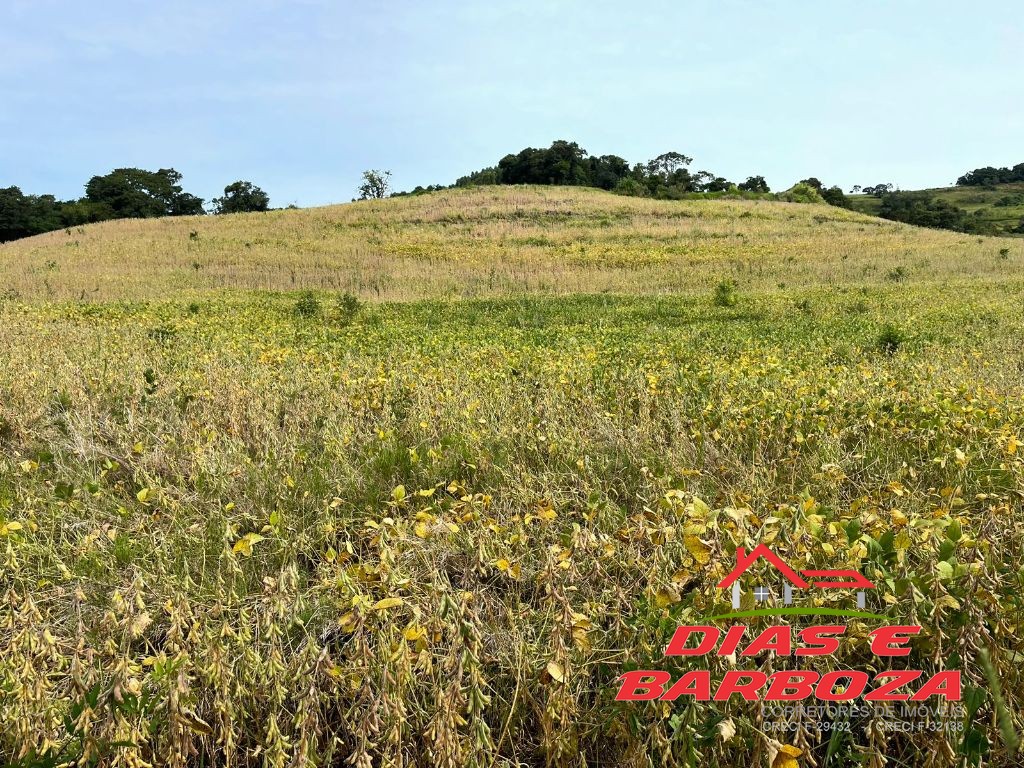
column 665, row 165
column 831, row 195
column 17, row 215
column 924, row 210
column 856, row 188
column 834, row 196
column 706, row 181
column 24, row 215
column 563, row 163
column 878, row 190
column 136, row 193
column 419, row 190
column 606, row 171
column 567, row 163
column 376, row 185
column 241, row 197
column 989, row 176
column 480, row 178
column 755, row 184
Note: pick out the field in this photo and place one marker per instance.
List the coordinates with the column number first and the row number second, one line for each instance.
column 248, row 520
column 1001, row 205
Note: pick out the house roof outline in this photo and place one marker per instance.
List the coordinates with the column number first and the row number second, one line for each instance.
column 745, row 561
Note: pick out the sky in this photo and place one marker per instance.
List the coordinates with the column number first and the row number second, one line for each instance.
column 301, row 96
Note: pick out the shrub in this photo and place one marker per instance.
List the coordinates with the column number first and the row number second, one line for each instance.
column 348, row 307
column 801, row 193
column 726, row 294
column 890, row 339
column 631, row 188
column 308, row 305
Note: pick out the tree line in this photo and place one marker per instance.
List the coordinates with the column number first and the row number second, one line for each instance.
column 667, row 176
column 138, row 193
column 988, row 176
column 124, row 193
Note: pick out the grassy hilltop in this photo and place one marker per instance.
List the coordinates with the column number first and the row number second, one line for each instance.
column 242, row 524
column 490, row 241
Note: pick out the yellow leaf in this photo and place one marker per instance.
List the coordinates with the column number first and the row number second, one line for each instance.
column 665, row 597
column 700, row 509
column 502, row 564
column 426, row 492
column 347, row 622
column 421, row 529
column 142, row 495
column 9, row 527
column 245, row 544
column 415, row 632
column 701, row 552
column 387, row 602
column 555, row 670
column 787, row 757
column 947, row 601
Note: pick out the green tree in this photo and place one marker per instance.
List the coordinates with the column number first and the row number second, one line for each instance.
column 24, row 215
column 879, row 190
column 834, row 196
column 667, row 164
column 376, row 185
column 137, row 193
column 755, row 184
column 924, row 210
column 241, row 197
column 706, row 181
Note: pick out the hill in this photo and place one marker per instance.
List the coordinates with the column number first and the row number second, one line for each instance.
column 489, row 241
column 999, row 207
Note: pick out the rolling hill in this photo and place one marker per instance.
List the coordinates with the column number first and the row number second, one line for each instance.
column 1000, row 205
column 490, row 241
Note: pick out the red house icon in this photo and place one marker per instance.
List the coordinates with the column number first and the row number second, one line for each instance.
column 823, row 579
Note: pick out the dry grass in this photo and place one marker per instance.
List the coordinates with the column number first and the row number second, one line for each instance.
column 491, row 242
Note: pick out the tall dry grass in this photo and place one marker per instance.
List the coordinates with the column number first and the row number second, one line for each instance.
column 490, row 242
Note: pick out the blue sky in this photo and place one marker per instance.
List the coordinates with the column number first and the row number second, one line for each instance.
column 300, row 96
